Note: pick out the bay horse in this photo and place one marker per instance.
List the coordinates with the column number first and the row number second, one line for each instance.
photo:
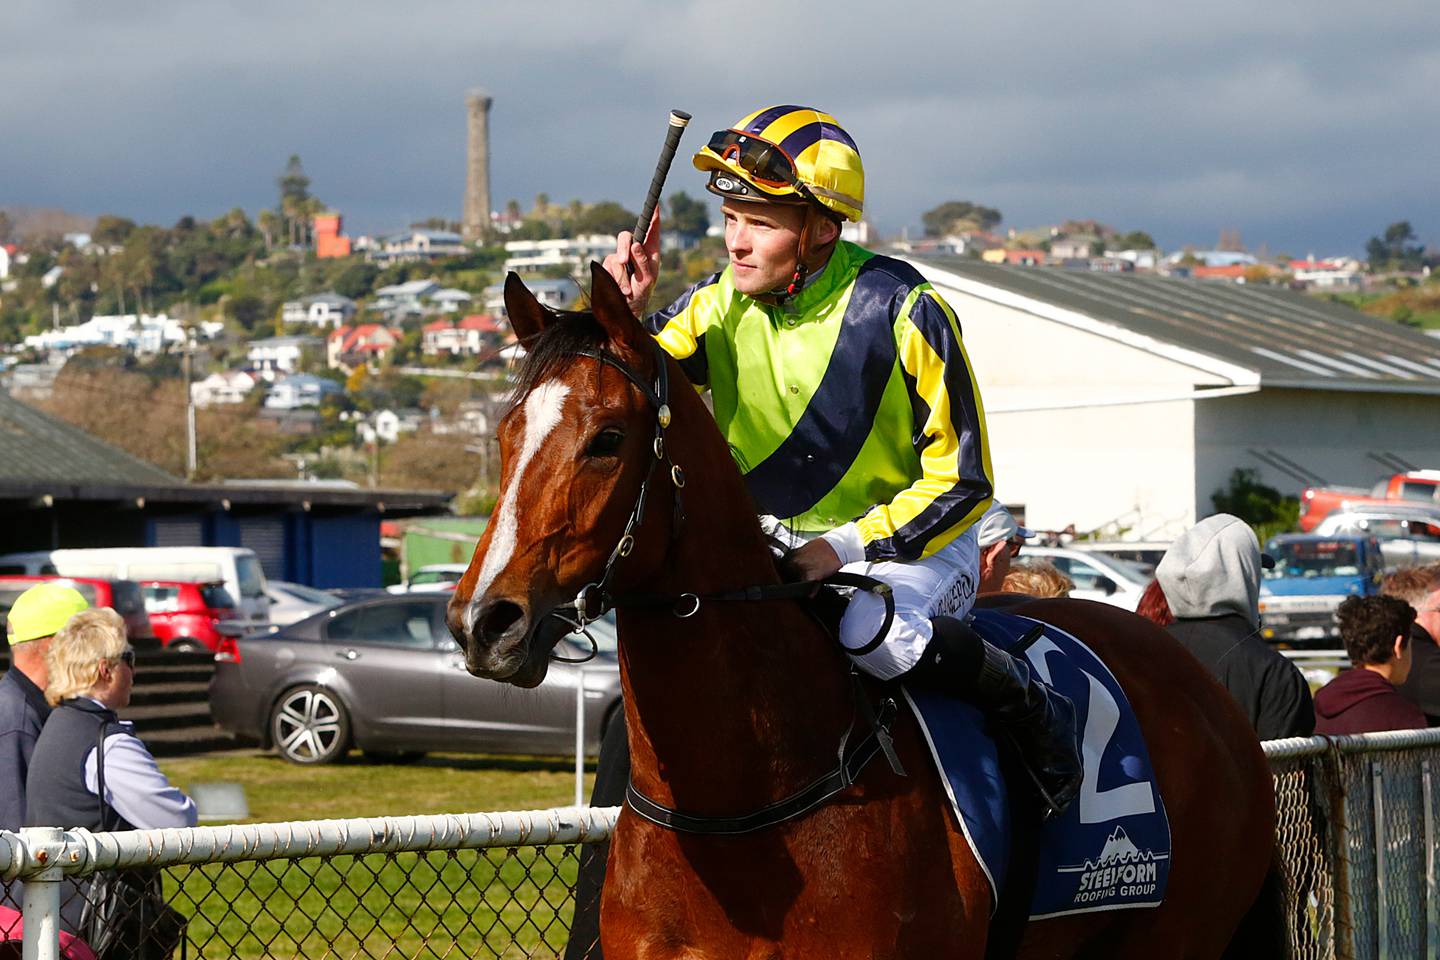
column 612, row 482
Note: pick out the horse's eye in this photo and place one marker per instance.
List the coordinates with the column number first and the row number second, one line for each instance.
column 606, row 443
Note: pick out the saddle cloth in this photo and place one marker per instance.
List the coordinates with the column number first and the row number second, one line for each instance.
column 1111, row 849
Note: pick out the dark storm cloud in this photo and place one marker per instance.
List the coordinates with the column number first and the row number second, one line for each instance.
column 1304, row 125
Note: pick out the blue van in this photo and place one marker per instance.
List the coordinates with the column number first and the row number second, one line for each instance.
column 1311, row 576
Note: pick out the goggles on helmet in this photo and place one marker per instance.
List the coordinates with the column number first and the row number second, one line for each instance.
column 764, row 162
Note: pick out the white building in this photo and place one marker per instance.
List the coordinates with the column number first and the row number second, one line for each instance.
column 274, row 357
column 144, row 335
column 1122, row 402
column 570, row 253
column 418, row 245
column 226, row 386
column 301, row 390
column 321, row 309
column 450, row 300
column 4, row 262
column 1336, row 273
column 404, row 299
column 387, row 425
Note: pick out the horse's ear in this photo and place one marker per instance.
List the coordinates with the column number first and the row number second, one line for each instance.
column 527, row 316
column 613, row 311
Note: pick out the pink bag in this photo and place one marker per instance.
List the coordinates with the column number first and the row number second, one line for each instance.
column 12, row 933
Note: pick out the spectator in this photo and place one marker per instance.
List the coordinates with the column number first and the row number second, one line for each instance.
column 1038, row 578
column 1000, row 538
column 1154, row 607
column 31, row 623
column 92, row 668
column 1420, row 587
column 1211, row 580
column 1363, row 699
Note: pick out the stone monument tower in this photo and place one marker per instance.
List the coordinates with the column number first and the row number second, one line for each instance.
column 476, row 218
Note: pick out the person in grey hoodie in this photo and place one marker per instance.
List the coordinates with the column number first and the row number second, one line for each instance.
column 1211, row 579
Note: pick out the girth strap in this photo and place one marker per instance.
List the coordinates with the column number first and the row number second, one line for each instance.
column 853, row 760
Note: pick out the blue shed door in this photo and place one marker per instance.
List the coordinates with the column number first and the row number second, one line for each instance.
column 266, row 536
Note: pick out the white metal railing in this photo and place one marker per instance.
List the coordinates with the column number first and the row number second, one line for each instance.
column 1357, row 834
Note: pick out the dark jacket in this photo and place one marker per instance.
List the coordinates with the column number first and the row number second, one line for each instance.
column 1422, row 687
column 1272, row 691
column 22, row 713
column 1362, row 701
column 57, row 794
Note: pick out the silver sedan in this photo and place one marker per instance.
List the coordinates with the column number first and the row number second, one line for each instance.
column 385, row 676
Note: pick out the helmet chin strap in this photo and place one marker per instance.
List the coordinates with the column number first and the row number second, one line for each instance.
column 803, row 252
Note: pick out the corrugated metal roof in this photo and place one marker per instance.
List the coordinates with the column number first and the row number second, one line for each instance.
column 1286, row 338
column 38, row 448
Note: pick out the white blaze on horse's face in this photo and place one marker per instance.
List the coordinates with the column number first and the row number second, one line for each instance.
column 543, row 409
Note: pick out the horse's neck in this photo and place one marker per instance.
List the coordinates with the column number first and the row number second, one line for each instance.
column 745, row 700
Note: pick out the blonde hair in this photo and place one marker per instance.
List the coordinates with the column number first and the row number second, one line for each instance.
column 76, row 652
column 1038, row 578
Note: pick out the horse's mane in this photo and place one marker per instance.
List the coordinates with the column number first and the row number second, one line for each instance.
column 553, row 347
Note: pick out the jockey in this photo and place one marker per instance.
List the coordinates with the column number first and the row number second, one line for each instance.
column 841, row 384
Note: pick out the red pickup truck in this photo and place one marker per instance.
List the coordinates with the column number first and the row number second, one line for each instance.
column 1316, row 503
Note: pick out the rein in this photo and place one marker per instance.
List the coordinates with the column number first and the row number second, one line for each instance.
column 595, row 599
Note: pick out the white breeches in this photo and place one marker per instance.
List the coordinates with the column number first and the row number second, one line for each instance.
column 940, row 585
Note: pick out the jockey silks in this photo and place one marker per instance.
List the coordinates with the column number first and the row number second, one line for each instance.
column 853, row 401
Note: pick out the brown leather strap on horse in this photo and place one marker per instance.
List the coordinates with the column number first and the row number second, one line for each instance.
column 853, row 760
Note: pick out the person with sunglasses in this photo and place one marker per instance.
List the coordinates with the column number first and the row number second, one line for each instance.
column 92, row 670
column 841, row 383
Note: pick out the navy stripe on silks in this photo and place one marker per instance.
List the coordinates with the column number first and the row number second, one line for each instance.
column 825, row 442
column 950, row 507
column 695, row 366
column 770, row 116
column 802, row 139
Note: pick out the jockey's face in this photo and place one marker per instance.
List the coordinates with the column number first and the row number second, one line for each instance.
column 763, row 239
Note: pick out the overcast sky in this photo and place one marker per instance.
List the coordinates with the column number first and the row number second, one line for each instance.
column 1307, row 126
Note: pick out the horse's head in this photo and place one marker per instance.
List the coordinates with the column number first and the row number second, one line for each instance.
column 575, row 447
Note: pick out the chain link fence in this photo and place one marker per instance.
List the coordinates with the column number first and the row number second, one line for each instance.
column 1357, row 854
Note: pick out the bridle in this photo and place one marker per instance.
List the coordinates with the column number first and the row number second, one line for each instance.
column 595, row 599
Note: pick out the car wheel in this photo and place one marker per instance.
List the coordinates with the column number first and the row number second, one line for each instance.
column 187, row 645
column 309, row 725
column 394, row 756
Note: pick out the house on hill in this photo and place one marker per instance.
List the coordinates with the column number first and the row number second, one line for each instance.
column 365, row 344
column 274, row 357
column 469, row 337
column 321, row 309
column 1122, row 402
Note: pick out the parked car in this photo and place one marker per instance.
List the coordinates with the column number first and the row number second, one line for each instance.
column 385, row 675
column 185, row 614
column 1409, row 533
column 237, row 567
column 1097, row 576
column 122, row 596
column 432, row 578
column 1143, row 555
column 1416, row 486
column 1313, row 574
column 290, row 602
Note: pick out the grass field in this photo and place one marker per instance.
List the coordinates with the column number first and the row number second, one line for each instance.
column 468, row 903
column 276, row 790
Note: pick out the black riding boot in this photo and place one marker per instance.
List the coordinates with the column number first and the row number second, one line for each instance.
column 1040, row 720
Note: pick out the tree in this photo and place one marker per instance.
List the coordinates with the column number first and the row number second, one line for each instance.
column 1263, row 507
column 356, row 280
column 1396, row 249
column 688, row 217
column 1135, row 240
column 247, row 310
column 959, row 216
column 294, row 192
column 603, row 217
column 7, row 227
column 112, row 231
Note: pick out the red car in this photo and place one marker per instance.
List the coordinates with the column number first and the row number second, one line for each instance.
column 185, row 614
column 122, row 596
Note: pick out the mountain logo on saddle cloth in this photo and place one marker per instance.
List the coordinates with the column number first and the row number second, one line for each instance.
column 1111, row 849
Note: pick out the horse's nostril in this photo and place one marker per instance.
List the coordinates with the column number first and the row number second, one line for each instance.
column 498, row 619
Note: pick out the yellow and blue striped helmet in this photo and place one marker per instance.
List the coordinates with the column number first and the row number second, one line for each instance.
column 787, row 152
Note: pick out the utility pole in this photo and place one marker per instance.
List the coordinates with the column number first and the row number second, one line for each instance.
column 189, row 404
